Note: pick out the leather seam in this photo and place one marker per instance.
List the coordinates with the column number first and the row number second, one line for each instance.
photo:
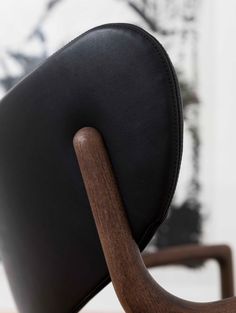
column 176, row 131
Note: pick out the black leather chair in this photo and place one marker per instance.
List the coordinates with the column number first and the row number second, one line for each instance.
column 119, row 80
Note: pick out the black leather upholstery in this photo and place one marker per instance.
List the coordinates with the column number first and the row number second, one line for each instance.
column 118, row 79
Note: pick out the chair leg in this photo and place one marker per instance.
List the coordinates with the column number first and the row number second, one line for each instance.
column 182, row 255
column 134, row 286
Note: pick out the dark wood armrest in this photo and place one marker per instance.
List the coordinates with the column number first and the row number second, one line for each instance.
column 182, row 255
column 134, row 286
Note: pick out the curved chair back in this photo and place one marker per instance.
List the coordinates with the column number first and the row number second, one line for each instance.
column 118, row 79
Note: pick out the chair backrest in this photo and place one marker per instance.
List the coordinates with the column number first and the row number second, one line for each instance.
column 118, row 79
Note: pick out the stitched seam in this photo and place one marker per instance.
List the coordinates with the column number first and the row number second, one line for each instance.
column 176, row 131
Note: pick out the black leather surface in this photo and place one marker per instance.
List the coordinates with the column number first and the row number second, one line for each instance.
column 118, row 79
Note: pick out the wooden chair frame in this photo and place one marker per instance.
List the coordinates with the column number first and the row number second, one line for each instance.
column 184, row 255
column 136, row 289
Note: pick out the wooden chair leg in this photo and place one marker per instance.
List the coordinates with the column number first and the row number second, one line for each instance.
column 134, row 286
column 182, row 255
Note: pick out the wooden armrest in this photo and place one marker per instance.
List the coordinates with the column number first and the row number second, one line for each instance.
column 134, row 286
column 182, row 255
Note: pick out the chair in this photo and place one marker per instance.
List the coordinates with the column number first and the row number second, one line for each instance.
column 114, row 92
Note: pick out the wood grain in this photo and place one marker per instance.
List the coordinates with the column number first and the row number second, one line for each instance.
column 134, row 286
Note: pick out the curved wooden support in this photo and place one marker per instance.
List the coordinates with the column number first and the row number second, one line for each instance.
column 134, row 286
column 182, row 255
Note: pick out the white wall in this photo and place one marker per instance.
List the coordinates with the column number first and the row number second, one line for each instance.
column 218, row 63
